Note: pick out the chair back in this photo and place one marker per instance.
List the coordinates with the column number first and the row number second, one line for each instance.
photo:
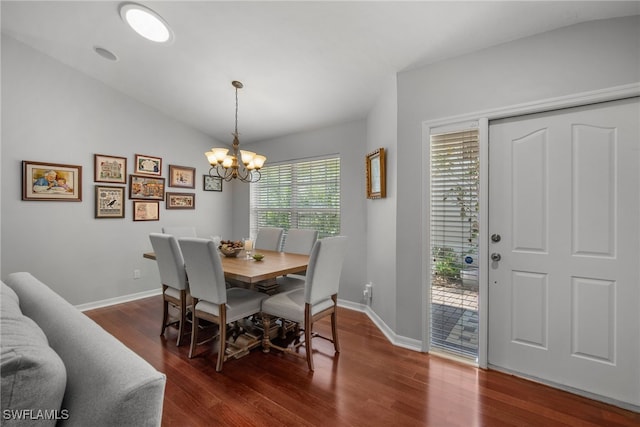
column 325, row 267
column 180, row 231
column 269, row 238
column 204, row 267
column 300, row 241
column 170, row 260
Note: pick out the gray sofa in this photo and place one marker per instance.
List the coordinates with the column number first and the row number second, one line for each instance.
column 60, row 368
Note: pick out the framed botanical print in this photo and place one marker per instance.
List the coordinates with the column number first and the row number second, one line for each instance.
column 109, row 202
column 376, row 175
column 148, row 165
column 51, row 182
column 181, row 201
column 146, row 187
column 110, row 169
column 211, row 183
column 146, row 211
column 182, row 176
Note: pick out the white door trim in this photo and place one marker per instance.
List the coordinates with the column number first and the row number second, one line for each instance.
column 549, row 104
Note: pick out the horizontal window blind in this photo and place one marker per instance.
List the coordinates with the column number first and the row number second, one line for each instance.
column 304, row 194
column 454, row 241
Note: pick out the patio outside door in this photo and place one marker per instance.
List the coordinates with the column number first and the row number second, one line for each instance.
column 564, row 221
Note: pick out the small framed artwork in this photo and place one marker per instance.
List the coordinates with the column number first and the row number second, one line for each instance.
column 146, row 211
column 51, row 182
column 110, row 169
column 148, row 165
column 376, row 175
column 182, row 176
column 109, row 201
column 146, row 187
column 211, row 183
column 181, row 201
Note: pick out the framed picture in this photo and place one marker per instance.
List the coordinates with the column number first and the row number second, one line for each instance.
column 146, row 187
column 109, row 202
column 51, row 181
column 146, row 211
column 109, row 169
column 211, row 183
column 182, row 176
column 376, row 175
column 181, row 201
column 148, row 165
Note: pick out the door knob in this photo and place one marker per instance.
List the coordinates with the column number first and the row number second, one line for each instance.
column 495, row 238
column 496, row 257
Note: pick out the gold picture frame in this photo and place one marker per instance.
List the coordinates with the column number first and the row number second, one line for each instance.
column 376, row 174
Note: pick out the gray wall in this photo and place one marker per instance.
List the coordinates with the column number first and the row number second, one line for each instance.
column 348, row 141
column 381, row 213
column 52, row 113
column 580, row 58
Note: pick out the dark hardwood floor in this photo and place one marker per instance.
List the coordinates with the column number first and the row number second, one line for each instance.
column 370, row 383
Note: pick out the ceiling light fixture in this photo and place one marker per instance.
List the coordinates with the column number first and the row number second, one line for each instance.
column 146, row 22
column 226, row 166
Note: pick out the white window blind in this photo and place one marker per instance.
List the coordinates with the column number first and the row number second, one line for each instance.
column 454, row 240
column 304, row 194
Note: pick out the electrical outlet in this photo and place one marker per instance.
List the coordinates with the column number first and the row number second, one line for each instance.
column 369, row 289
column 136, row 274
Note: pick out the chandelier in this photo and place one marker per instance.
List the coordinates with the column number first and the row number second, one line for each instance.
column 227, row 166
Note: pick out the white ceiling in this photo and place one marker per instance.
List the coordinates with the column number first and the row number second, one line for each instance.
column 304, row 64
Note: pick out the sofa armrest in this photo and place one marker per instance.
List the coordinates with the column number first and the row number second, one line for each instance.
column 107, row 383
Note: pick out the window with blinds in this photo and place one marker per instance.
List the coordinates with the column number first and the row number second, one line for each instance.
column 304, row 194
column 455, row 169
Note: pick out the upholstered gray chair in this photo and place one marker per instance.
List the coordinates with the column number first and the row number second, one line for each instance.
column 212, row 301
column 297, row 241
column 179, row 232
column 315, row 301
column 175, row 285
column 300, row 241
column 269, row 239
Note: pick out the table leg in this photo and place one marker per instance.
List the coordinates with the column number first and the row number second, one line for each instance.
column 266, row 326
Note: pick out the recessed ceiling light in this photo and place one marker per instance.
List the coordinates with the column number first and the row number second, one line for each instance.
column 146, row 22
column 105, row 53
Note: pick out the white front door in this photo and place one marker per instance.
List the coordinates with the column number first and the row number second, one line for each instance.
column 564, row 209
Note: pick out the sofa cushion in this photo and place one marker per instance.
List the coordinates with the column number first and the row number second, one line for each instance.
column 33, row 375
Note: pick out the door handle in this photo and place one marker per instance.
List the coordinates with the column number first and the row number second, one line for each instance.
column 496, row 257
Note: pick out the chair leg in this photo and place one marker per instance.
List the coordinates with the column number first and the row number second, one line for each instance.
column 194, row 332
column 165, row 315
column 334, row 325
column 223, row 337
column 183, row 316
column 308, row 326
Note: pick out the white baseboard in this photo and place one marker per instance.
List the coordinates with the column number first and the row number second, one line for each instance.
column 395, row 339
column 118, row 300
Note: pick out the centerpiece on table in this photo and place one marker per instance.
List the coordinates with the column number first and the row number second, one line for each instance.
column 230, row 248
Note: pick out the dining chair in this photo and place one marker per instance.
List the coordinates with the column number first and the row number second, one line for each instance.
column 269, row 239
column 173, row 276
column 297, row 241
column 212, row 301
column 315, row 301
column 180, row 231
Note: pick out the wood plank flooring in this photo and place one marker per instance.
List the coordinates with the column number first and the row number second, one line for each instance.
column 370, row 383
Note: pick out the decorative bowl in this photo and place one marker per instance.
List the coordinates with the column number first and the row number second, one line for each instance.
column 258, row 257
column 229, row 251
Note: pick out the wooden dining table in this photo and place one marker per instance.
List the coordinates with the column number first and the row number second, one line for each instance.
column 259, row 274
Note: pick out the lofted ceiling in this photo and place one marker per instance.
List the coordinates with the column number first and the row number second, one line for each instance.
column 304, row 64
